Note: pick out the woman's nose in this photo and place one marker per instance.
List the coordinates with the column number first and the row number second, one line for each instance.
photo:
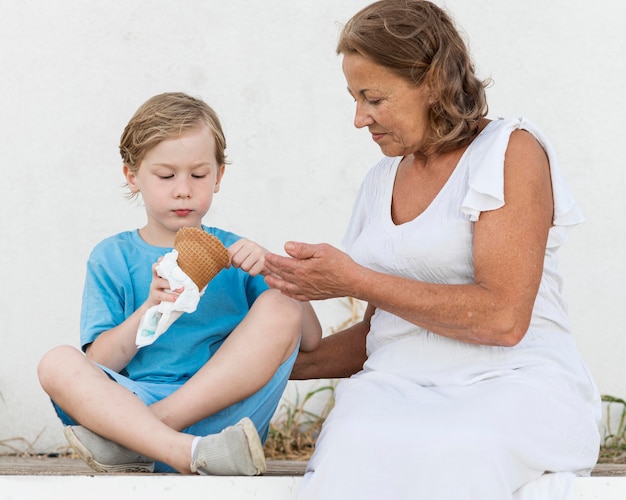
column 361, row 117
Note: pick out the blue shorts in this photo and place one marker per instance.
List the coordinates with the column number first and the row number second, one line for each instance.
column 259, row 407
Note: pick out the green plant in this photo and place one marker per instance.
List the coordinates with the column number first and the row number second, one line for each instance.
column 613, row 447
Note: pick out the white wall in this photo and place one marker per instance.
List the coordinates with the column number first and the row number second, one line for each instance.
column 73, row 72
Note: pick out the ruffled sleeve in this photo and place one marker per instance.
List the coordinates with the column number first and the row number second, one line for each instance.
column 486, row 173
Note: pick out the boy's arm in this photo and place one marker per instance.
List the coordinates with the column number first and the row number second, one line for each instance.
column 338, row 356
column 311, row 329
column 116, row 347
column 250, row 257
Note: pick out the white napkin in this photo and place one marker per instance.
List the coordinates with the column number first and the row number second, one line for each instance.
column 158, row 319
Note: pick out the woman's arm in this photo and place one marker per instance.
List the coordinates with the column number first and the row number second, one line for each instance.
column 339, row 355
column 509, row 249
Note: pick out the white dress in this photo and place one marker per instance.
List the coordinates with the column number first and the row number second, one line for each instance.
column 434, row 418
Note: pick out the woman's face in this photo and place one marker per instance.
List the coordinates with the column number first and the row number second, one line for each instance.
column 394, row 110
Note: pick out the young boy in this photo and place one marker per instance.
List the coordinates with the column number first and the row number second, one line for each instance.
column 199, row 397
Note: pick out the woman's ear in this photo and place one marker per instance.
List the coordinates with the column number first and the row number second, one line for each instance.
column 429, row 91
column 218, row 178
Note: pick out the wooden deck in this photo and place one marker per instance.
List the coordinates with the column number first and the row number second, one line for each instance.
column 12, row 465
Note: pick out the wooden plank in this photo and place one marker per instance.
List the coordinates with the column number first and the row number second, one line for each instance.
column 11, row 465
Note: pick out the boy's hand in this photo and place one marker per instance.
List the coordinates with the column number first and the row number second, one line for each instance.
column 160, row 289
column 248, row 256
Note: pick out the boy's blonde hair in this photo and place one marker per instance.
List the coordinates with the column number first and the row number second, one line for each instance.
column 163, row 117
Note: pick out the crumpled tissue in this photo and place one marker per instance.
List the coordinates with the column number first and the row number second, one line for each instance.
column 159, row 318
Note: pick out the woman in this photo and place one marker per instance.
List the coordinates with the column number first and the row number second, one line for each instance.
column 470, row 385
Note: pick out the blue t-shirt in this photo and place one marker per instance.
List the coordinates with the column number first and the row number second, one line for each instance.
column 119, row 273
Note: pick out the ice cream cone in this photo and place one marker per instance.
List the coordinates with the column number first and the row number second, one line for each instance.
column 200, row 255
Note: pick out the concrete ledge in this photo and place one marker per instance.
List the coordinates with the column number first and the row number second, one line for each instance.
column 169, row 487
column 156, row 487
column 32, row 477
column 599, row 488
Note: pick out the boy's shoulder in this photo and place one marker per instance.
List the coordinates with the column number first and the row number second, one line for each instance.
column 129, row 243
column 118, row 239
column 117, row 245
column 226, row 237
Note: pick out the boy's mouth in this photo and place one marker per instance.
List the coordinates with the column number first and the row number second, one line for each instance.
column 183, row 212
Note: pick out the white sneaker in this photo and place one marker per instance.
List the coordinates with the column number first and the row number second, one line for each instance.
column 103, row 455
column 236, row 451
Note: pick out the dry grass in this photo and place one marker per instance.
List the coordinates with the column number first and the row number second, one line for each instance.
column 293, row 433
column 21, row 447
column 17, row 446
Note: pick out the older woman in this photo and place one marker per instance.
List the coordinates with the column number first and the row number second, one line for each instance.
column 469, row 385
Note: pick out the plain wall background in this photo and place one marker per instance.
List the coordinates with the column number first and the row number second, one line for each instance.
column 73, row 72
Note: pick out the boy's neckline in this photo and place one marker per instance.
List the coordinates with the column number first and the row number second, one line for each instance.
column 157, row 239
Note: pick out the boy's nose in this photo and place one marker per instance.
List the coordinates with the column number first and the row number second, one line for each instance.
column 183, row 189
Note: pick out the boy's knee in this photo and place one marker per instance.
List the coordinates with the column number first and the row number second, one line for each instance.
column 284, row 313
column 283, row 307
column 53, row 362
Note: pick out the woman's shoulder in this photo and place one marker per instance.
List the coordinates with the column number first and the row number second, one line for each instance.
column 503, row 130
column 487, row 151
column 485, row 163
column 486, row 157
column 384, row 169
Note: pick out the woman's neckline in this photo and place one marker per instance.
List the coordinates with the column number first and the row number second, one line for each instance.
column 440, row 193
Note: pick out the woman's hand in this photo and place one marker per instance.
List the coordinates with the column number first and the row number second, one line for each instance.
column 248, row 256
column 312, row 272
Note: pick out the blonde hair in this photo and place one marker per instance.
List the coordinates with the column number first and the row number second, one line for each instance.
column 163, row 117
column 418, row 41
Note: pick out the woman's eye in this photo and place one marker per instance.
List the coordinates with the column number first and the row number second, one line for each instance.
column 373, row 102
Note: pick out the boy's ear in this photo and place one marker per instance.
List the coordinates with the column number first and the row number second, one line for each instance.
column 218, row 178
column 131, row 179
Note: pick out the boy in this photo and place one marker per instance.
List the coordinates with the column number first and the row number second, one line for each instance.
column 199, row 397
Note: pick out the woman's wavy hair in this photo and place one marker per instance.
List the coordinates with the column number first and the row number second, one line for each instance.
column 418, row 41
column 163, row 117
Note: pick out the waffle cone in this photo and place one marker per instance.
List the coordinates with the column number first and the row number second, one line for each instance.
column 200, row 255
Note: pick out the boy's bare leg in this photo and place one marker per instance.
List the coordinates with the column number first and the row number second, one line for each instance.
column 86, row 393
column 245, row 362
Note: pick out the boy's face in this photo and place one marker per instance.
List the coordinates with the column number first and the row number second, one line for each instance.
column 177, row 179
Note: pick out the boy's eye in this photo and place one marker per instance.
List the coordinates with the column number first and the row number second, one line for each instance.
column 165, row 176
column 198, row 176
